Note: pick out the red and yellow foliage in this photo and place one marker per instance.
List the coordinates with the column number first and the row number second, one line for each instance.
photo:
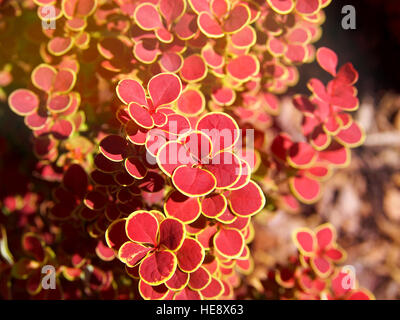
column 155, row 127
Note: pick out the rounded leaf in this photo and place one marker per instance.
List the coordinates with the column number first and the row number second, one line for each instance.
column 181, row 207
column 326, row 58
column 193, row 182
column 164, row 88
column 158, row 267
column 247, row 200
column 172, row 234
column 142, row 227
column 129, row 90
column 243, row 67
column 194, row 68
column 23, row 102
column 229, row 243
column 190, row 255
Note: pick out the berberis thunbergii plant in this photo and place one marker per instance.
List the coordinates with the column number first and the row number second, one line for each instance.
column 154, row 124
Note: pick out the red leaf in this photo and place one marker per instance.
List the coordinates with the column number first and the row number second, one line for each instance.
column 246, row 37
column 200, row 5
column 190, row 255
column 319, row 139
column 213, row 290
column 95, row 200
column 199, row 279
column 132, row 253
column 238, row 18
column 191, row 102
column 303, row 104
column 305, row 189
column 147, row 16
column 135, row 134
column 227, row 217
column 140, row 115
column 229, row 242
column 146, row 50
column 80, row 8
column 305, row 241
column 149, row 292
column 219, row 7
column 171, row 62
column 221, row 128
column 184, row 208
column 129, row 90
column 142, row 227
column 135, row 167
column 199, row 145
column 325, row 235
column 164, row 88
column 334, row 254
column 59, row 45
column 113, row 147
column 226, row 168
column 62, row 129
column 173, row 155
column 327, row 59
column 23, row 102
column 206, row 236
column 318, row 88
column 197, row 226
column 347, row 74
column 209, row 25
column 187, row 294
column 59, row 102
column 193, row 182
column 337, row 285
column 352, row 137
column 213, row 205
column 321, row 266
column 33, row 246
column 186, row 26
column 178, row 281
column 243, row 67
column 307, row 7
column 194, row 68
column 158, row 267
column 247, row 200
column 224, row 96
column 43, row 77
column 172, row 234
column 336, row 154
column 172, row 9
column 281, row 6
column 360, row 294
column 104, row 252
column 296, row 53
column 301, row 155
column 64, row 81
column 211, row 57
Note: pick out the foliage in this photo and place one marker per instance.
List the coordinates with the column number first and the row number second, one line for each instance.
column 156, row 129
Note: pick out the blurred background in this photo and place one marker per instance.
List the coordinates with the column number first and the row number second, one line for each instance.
column 363, row 200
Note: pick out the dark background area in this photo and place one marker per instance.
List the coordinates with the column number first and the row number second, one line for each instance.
column 373, row 48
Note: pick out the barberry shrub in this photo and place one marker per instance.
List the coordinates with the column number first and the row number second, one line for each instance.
column 314, row 273
column 156, row 130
